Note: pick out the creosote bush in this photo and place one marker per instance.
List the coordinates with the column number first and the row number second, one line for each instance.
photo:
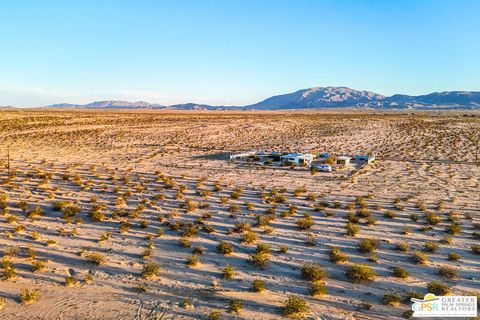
column 314, row 272
column 368, row 245
column 235, row 305
column 150, row 270
column 400, row 272
column 295, row 307
column 318, row 289
column 224, row 248
column 448, row 272
column 228, row 272
column 438, row 288
column 391, row 299
column 420, row 257
column 29, row 296
column 337, row 256
column 360, row 273
column 258, row 285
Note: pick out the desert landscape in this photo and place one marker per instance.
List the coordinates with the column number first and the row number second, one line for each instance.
column 140, row 214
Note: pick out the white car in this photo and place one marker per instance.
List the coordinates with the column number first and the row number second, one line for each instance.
column 321, row 167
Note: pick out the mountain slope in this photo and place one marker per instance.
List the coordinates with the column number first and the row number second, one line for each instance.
column 317, row 98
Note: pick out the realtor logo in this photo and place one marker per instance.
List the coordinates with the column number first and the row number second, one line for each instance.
column 445, row 306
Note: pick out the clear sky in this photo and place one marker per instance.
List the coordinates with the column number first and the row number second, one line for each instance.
column 232, row 52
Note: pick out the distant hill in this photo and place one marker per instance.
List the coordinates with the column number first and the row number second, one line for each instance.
column 317, row 98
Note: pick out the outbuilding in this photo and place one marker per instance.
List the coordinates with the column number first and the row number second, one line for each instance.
column 343, row 160
column 297, row 158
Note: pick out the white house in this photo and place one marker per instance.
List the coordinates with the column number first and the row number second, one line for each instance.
column 297, row 158
column 343, row 160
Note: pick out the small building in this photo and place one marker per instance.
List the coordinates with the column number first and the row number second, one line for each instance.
column 343, row 160
column 242, row 155
column 364, row 158
column 297, row 158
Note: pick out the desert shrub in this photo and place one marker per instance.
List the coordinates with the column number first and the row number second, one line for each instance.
column 199, row 250
column 363, row 213
column 311, row 240
column 242, row 227
column 432, row 218
column 360, row 273
column 438, row 288
column 185, row 242
column 295, row 307
column 454, row 256
column 249, row 237
column 419, row 257
column 29, row 297
column 400, row 272
column 260, row 259
column 351, row 217
column 314, row 272
column 70, row 281
column 258, row 285
column 150, row 270
column 228, row 272
column 390, row 214
column 160, row 232
column 306, row 222
column 97, row 213
column 370, row 221
column 38, row 266
column 413, row 217
column 95, row 258
column 337, row 256
column 283, row 249
column 234, row 208
column 35, row 212
column 391, row 299
column 430, row 246
column 352, row 229
column 124, row 226
column 193, row 260
column 318, row 289
column 22, row 204
column 402, row 246
column 191, row 230
column 224, row 248
column 311, row 197
column 368, row 245
column 448, row 272
column 143, row 224
column 454, row 228
column 235, row 305
column 263, row 220
column 8, row 270
column 475, row 249
column 215, row 315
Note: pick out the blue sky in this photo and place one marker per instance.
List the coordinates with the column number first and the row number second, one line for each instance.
column 232, row 52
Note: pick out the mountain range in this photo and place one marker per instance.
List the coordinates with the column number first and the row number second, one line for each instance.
column 317, row 98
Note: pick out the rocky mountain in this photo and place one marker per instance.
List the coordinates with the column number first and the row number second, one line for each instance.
column 110, row 104
column 317, row 98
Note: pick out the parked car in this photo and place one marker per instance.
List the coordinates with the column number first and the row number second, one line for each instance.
column 321, row 167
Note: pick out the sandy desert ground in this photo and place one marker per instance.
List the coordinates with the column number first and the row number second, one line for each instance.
column 140, row 214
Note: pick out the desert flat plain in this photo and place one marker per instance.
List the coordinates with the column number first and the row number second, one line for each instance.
column 141, row 215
